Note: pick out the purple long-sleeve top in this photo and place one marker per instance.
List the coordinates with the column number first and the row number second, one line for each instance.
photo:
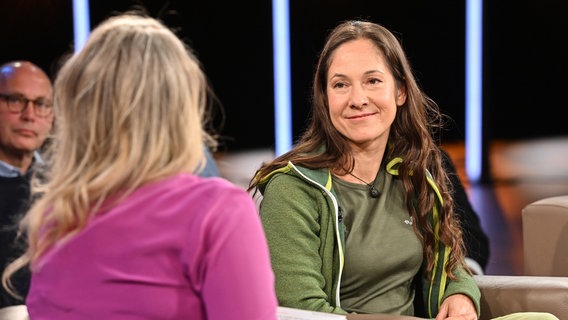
column 182, row 248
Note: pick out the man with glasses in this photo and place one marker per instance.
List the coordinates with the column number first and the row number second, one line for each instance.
column 26, row 118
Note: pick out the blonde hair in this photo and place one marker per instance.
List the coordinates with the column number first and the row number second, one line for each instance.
column 129, row 110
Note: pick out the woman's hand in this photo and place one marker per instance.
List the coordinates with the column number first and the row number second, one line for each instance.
column 457, row 307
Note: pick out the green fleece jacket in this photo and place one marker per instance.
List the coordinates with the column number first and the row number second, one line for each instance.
column 299, row 212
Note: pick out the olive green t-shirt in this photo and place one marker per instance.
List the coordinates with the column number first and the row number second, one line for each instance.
column 382, row 252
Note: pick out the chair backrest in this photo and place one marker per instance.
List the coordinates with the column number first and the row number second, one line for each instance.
column 545, row 237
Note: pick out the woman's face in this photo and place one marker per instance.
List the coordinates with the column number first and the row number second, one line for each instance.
column 362, row 93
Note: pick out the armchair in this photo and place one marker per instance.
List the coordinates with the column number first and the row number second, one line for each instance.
column 545, row 237
column 544, row 284
column 501, row 295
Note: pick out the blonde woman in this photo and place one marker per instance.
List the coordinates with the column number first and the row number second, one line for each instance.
column 123, row 229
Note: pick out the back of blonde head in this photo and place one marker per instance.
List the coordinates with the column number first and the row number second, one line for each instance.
column 129, row 109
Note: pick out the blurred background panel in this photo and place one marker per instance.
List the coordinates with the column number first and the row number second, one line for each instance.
column 524, row 74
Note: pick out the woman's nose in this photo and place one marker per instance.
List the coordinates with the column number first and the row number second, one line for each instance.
column 358, row 97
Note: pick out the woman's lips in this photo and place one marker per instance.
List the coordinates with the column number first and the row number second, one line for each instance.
column 359, row 116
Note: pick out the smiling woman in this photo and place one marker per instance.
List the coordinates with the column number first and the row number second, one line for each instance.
column 398, row 253
column 370, row 122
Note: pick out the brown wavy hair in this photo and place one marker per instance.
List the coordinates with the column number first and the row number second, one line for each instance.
column 412, row 137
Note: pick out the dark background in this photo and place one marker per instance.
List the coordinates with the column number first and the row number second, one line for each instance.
column 524, row 54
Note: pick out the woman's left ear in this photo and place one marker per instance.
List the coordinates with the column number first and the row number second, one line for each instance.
column 400, row 96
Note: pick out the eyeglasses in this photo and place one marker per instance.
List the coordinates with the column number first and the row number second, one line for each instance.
column 17, row 103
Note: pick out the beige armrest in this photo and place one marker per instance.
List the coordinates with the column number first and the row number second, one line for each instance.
column 19, row 312
column 379, row 317
column 501, row 295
